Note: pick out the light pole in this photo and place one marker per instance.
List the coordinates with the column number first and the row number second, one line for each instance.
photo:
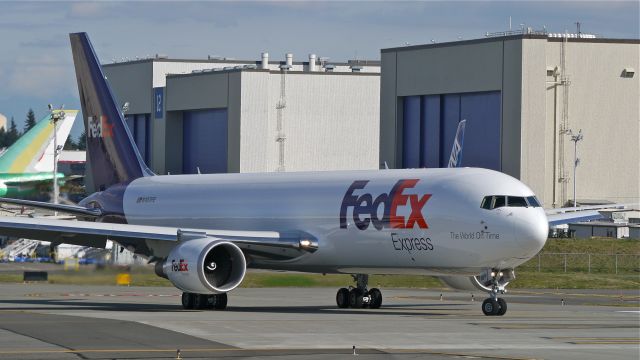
column 56, row 115
column 575, row 138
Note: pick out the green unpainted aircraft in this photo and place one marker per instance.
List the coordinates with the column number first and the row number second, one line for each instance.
column 28, row 163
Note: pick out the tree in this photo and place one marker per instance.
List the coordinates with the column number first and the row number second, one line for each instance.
column 13, row 134
column 82, row 141
column 70, row 144
column 3, row 138
column 30, row 122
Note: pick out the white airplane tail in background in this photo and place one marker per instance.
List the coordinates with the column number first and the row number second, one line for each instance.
column 455, row 160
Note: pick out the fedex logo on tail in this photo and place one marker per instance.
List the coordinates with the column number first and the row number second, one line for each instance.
column 365, row 207
column 99, row 127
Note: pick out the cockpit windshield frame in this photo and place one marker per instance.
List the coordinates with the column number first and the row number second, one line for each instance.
column 491, row 202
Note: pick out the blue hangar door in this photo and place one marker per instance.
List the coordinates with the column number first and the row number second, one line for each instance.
column 430, row 123
column 204, row 141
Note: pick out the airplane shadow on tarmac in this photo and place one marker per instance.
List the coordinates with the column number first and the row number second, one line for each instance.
column 444, row 309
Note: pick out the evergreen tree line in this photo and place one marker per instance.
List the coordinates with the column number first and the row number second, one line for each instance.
column 8, row 137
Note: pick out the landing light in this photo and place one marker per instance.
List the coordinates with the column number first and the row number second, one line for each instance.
column 501, row 273
column 493, row 274
column 310, row 245
column 305, row 243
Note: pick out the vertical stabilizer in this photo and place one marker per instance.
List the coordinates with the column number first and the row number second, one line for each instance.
column 455, row 160
column 113, row 157
column 33, row 151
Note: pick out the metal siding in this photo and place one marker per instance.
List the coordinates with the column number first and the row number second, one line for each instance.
column 331, row 122
column 141, row 135
column 511, row 140
column 453, row 69
column 431, row 131
column 449, row 119
column 132, row 83
column 206, row 91
column 388, row 108
column 411, row 132
column 256, row 143
column 605, row 105
column 205, row 141
column 482, row 133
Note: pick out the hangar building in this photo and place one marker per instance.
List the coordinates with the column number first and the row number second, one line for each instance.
column 520, row 95
column 221, row 115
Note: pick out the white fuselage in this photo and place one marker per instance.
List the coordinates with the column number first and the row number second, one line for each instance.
column 432, row 224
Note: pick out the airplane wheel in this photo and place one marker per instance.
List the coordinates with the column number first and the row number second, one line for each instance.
column 187, row 300
column 503, row 307
column 342, row 298
column 200, row 301
column 355, row 298
column 490, row 307
column 220, row 301
column 376, row 298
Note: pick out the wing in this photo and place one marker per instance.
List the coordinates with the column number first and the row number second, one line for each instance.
column 265, row 244
column 583, row 213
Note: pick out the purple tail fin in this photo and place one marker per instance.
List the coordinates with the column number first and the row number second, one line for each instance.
column 111, row 153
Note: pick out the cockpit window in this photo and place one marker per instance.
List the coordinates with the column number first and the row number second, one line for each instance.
column 533, row 201
column 486, row 202
column 496, row 201
column 516, row 201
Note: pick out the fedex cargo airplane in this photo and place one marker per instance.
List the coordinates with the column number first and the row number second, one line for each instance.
column 469, row 226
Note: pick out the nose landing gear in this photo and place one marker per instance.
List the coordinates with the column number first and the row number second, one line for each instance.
column 495, row 306
column 358, row 296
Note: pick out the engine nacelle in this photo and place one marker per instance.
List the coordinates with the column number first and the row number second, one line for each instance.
column 481, row 282
column 205, row 266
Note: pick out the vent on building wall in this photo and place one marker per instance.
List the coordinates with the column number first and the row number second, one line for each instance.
column 628, row 72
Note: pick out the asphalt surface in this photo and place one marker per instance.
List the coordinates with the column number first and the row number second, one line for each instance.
column 42, row 321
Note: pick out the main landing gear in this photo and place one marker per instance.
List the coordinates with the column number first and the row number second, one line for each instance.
column 495, row 306
column 204, row 301
column 358, row 296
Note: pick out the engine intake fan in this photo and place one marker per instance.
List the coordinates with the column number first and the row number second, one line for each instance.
column 205, row 266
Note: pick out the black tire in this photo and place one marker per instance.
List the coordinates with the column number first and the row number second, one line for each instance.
column 200, row 301
column 220, row 301
column 490, row 307
column 503, row 307
column 187, row 300
column 342, row 298
column 355, row 298
column 376, row 298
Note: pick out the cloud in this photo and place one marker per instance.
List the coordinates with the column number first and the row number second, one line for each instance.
column 88, row 9
column 54, row 42
column 43, row 77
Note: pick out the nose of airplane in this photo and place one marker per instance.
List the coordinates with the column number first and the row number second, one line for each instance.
column 532, row 230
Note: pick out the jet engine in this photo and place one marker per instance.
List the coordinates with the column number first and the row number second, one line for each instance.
column 482, row 282
column 205, row 266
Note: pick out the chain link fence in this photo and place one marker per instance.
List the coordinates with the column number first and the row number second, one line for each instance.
column 584, row 262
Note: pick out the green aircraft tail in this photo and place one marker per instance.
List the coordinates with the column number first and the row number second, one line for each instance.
column 33, row 151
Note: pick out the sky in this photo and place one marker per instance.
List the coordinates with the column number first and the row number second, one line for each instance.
column 36, row 68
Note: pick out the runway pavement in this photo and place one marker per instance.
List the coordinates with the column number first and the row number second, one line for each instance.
column 42, row 321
